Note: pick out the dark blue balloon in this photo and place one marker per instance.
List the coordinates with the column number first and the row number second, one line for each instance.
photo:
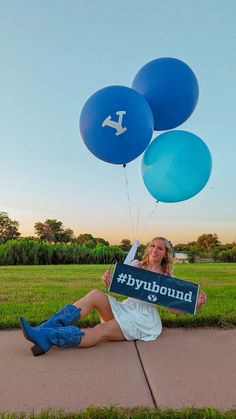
column 176, row 166
column 116, row 124
column 171, row 89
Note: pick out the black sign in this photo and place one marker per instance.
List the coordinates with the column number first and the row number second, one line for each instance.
column 155, row 288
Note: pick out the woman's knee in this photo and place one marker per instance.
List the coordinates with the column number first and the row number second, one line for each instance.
column 99, row 300
column 95, row 294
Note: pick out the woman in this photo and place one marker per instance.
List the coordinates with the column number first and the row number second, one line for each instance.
column 128, row 320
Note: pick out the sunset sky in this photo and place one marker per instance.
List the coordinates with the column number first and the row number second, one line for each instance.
column 54, row 55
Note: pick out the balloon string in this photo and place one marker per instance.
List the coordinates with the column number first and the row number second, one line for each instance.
column 128, row 196
column 150, row 215
column 137, row 222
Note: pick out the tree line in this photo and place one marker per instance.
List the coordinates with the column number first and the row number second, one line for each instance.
column 208, row 246
column 55, row 244
column 52, row 231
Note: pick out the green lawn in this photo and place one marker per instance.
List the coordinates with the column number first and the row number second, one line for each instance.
column 38, row 291
column 125, row 413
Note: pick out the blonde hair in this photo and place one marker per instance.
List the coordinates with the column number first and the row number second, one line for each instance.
column 167, row 261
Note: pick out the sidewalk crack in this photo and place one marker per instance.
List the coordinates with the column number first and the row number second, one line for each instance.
column 145, row 375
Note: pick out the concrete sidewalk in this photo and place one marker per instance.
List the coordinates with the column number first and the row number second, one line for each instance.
column 182, row 368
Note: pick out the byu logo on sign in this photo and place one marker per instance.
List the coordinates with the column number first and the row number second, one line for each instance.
column 117, row 125
column 152, row 297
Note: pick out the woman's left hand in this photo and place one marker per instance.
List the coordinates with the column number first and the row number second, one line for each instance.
column 202, row 299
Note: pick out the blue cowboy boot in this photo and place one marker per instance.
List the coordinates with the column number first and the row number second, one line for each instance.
column 45, row 338
column 63, row 317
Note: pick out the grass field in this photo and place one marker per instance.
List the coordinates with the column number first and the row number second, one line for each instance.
column 125, row 413
column 36, row 292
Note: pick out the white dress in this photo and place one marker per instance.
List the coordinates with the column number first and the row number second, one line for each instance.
column 137, row 319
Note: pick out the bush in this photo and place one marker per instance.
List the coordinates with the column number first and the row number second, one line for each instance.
column 192, row 254
column 226, row 255
column 31, row 252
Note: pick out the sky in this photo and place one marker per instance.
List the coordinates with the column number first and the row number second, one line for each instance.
column 54, row 55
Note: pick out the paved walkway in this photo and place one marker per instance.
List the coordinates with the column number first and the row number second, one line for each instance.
column 182, row 368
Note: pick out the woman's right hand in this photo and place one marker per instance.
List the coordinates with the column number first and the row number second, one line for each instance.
column 106, row 278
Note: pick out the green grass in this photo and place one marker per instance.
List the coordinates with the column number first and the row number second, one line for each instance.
column 126, row 413
column 38, row 291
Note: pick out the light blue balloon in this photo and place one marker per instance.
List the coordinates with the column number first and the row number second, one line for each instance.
column 116, row 124
column 176, row 166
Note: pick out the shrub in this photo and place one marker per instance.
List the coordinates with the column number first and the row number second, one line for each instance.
column 226, row 255
column 31, row 252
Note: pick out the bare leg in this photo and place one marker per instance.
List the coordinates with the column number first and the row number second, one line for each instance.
column 110, row 331
column 95, row 299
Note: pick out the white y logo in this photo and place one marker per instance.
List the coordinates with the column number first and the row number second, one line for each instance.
column 116, row 125
column 152, row 297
